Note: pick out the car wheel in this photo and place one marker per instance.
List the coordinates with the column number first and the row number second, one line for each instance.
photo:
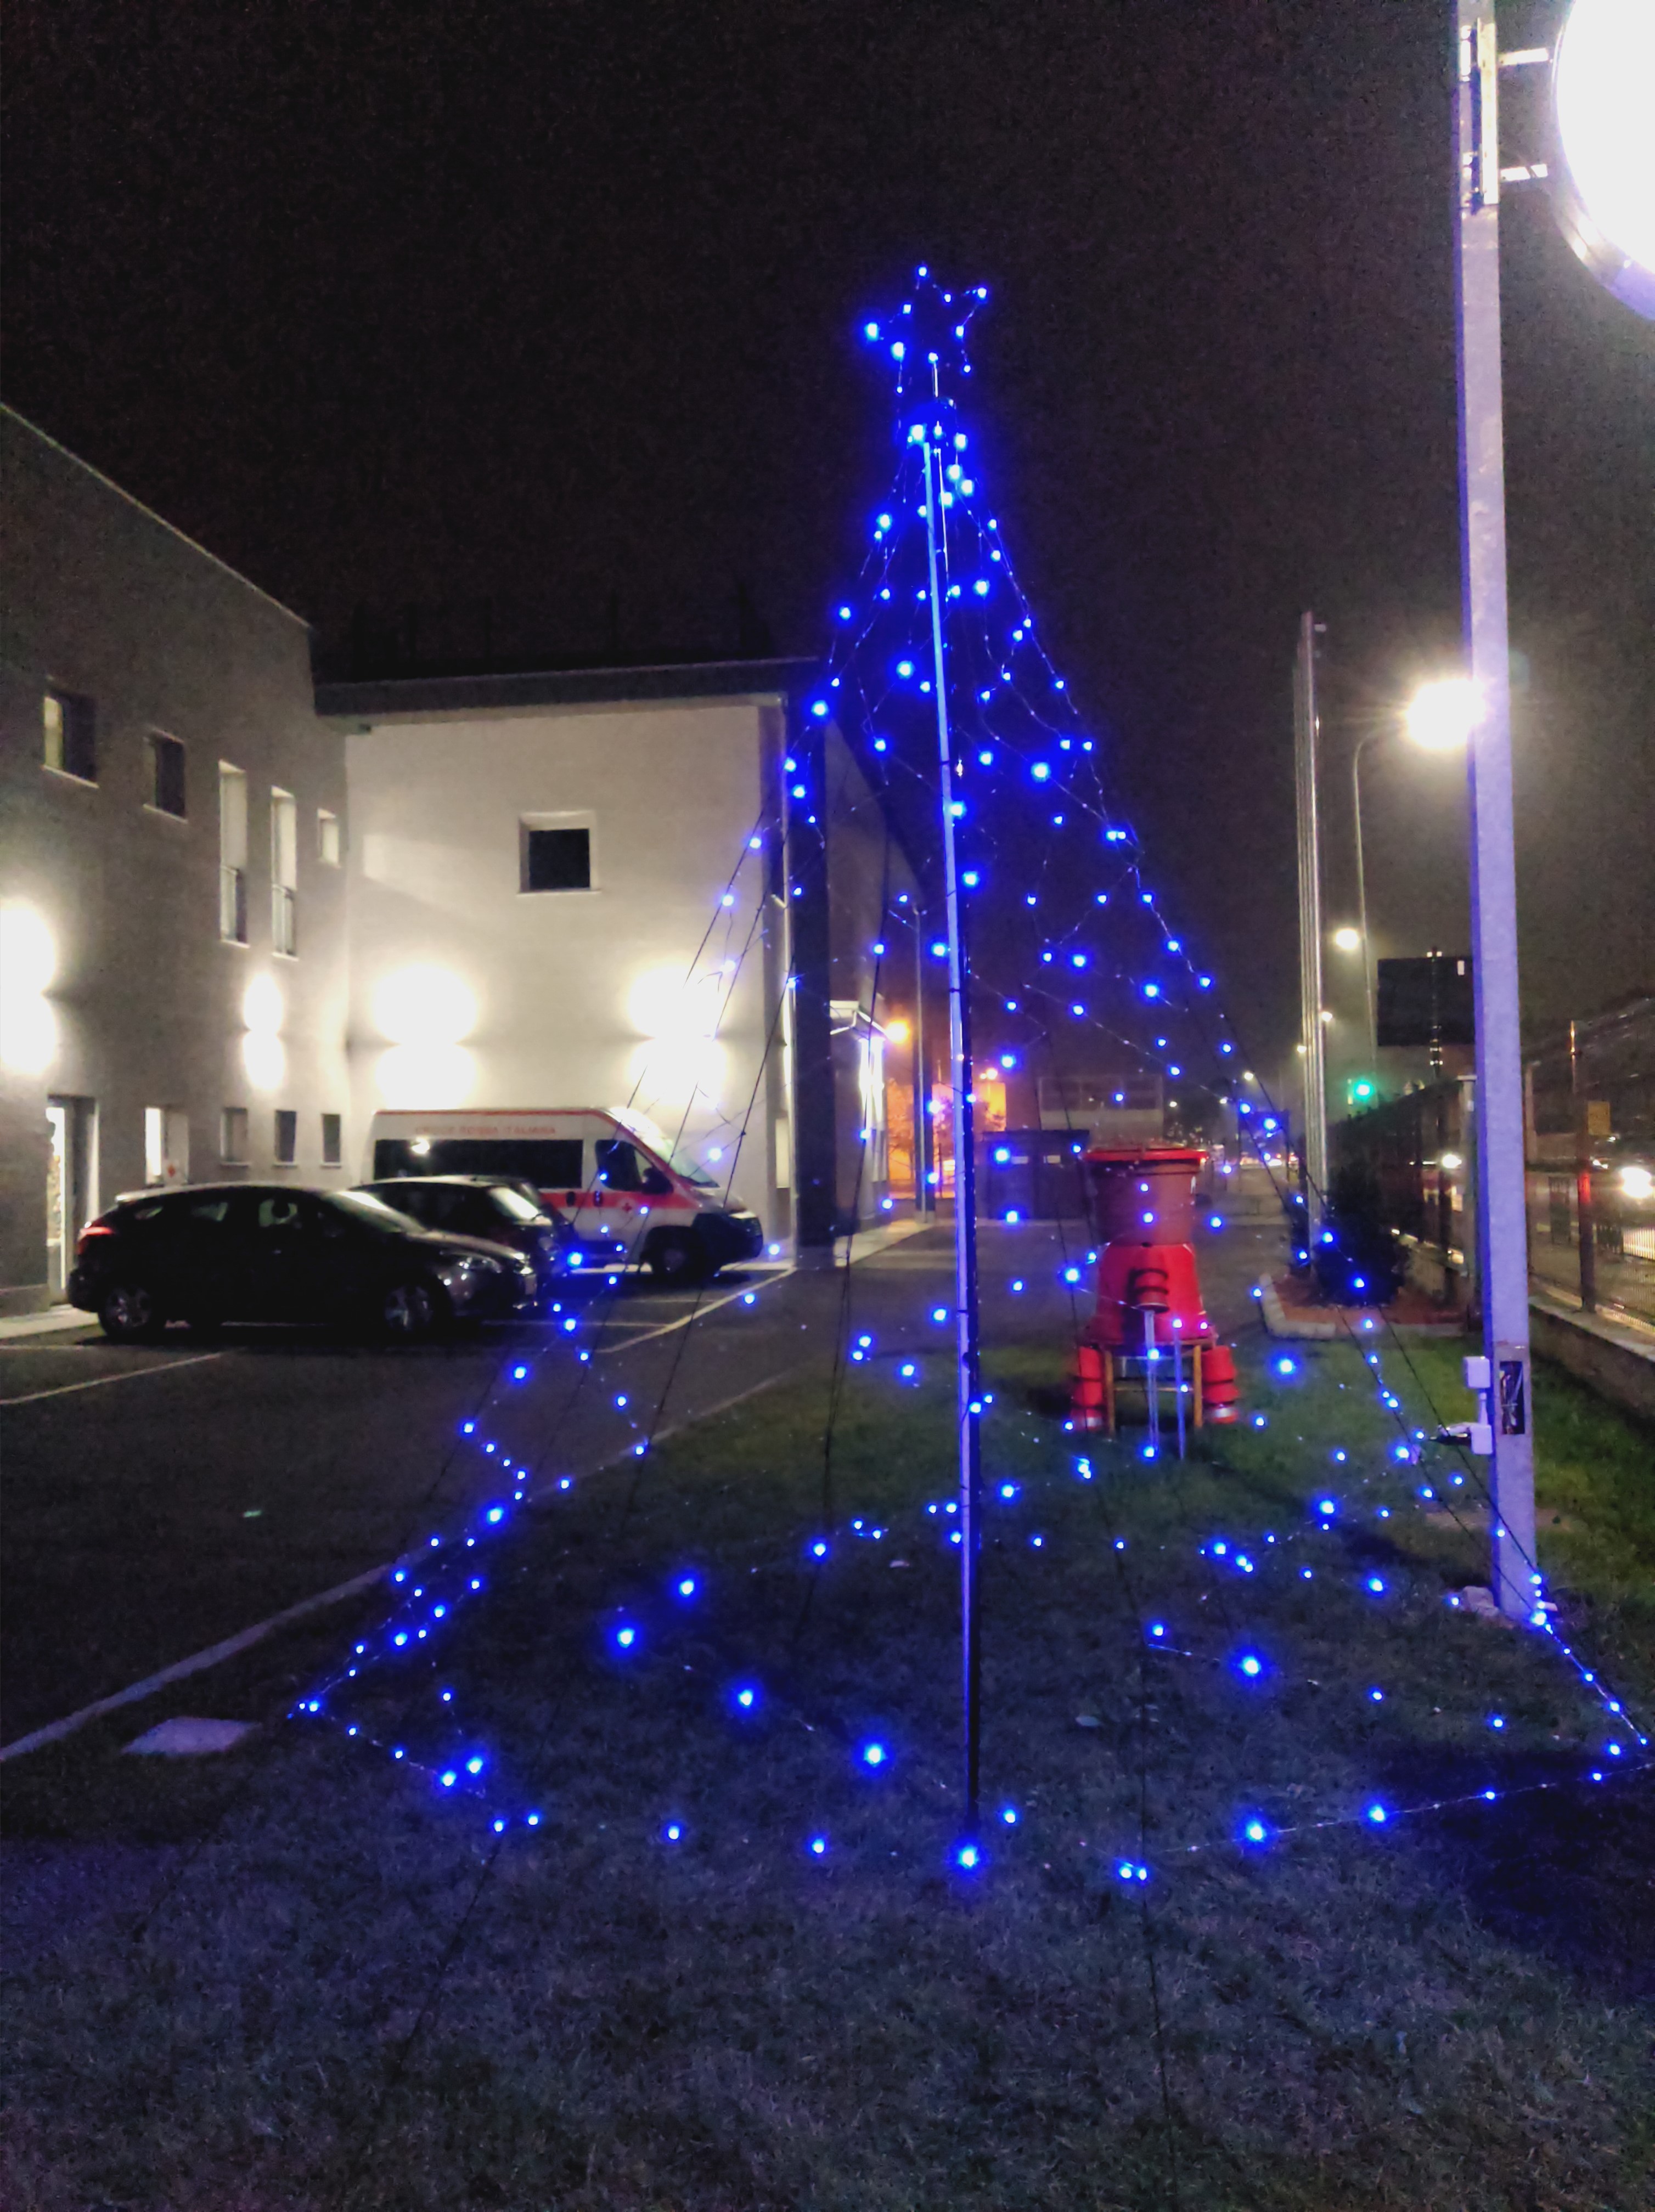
column 408, row 1312
column 674, row 1258
column 129, row 1315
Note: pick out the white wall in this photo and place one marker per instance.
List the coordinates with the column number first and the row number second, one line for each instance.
column 465, row 990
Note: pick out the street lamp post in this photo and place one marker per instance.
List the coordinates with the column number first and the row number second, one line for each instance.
column 1362, row 743
column 1437, row 719
column 1313, row 1153
column 1502, row 1228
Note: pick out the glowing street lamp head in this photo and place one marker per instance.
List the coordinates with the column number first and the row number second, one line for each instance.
column 1604, row 91
column 1347, row 940
column 1440, row 717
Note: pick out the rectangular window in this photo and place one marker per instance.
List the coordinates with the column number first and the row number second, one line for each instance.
column 556, row 859
column 327, row 838
column 166, row 1145
column 550, row 1163
column 332, row 1140
column 233, row 1137
column 232, row 855
column 287, row 1136
column 69, row 735
column 283, row 871
column 166, row 773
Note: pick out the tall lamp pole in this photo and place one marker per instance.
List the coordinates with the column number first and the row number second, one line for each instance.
column 1305, row 733
column 1502, row 1226
column 1362, row 744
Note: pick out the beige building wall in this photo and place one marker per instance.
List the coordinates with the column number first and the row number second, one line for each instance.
column 647, row 990
column 116, row 989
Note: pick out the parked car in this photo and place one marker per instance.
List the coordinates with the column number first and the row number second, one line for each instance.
column 212, row 1252
column 615, row 1177
column 504, row 1212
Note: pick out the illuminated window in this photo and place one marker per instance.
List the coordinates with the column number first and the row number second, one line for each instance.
column 166, row 1145
column 332, row 1140
column 327, row 838
column 287, row 1136
column 69, row 735
column 283, row 872
column 232, row 855
column 556, row 859
column 233, row 1137
column 166, row 773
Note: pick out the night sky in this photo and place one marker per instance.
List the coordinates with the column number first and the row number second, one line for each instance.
column 554, row 309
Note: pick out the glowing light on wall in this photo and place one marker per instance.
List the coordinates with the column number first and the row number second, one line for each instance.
column 426, row 1012
column 263, row 1054
column 28, row 961
column 680, row 1059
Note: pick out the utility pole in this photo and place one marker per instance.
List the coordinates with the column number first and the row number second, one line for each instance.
column 1315, row 1135
column 1502, row 1239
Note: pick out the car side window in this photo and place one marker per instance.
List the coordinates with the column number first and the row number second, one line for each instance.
column 618, row 1166
column 657, row 1183
column 278, row 1211
column 209, row 1212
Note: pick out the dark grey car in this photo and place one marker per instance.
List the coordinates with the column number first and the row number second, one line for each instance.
column 254, row 1252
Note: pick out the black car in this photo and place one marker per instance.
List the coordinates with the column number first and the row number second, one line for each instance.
column 507, row 1212
column 219, row 1252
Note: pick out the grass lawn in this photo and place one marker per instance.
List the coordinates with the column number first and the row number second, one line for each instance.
column 309, row 1975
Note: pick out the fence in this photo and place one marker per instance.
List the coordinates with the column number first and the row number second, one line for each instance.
column 1590, row 1116
column 1591, row 1112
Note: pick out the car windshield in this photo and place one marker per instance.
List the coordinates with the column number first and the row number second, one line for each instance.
column 367, row 1207
column 513, row 1205
column 655, row 1139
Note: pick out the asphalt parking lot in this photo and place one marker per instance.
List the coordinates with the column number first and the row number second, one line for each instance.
column 158, row 1501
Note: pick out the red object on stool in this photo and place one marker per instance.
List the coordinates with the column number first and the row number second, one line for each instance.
column 1141, row 1204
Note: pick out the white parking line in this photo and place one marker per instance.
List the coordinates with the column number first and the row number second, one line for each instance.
column 696, row 1313
column 96, row 1382
column 215, row 1654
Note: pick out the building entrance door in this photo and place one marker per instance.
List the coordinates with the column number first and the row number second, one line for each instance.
column 70, row 1199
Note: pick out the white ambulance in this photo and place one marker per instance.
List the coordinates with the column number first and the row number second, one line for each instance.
column 612, row 1173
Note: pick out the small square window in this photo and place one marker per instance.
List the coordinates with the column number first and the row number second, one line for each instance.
column 166, row 774
column 287, row 1136
column 556, row 859
column 327, row 838
column 233, row 1137
column 332, row 1140
column 69, row 735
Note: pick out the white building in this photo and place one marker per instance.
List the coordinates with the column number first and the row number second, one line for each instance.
column 237, row 915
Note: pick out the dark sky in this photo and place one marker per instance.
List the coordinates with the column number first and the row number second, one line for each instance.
column 541, row 304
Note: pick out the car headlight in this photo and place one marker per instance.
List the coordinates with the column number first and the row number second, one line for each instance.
column 1638, row 1182
column 469, row 1267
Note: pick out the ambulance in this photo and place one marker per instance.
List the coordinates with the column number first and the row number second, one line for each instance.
column 612, row 1173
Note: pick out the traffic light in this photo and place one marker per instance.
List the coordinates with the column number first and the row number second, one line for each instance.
column 1361, row 1090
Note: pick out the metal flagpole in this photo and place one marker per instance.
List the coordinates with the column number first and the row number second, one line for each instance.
column 1502, row 1223
column 965, row 1285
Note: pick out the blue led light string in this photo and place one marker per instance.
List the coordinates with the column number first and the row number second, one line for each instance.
column 1153, row 1638
column 844, row 1324
column 874, row 708
column 1174, row 946
column 495, row 1513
